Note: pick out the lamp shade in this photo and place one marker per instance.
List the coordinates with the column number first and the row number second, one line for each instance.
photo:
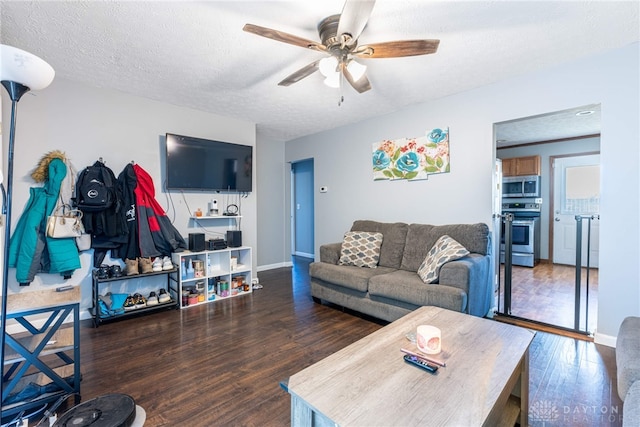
column 356, row 70
column 333, row 80
column 328, row 66
column 19, row 66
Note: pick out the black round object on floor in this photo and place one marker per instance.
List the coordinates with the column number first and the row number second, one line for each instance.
column 111, row 410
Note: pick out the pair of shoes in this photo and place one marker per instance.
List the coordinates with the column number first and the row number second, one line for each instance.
column 129, row 303
column 163, row 296
column 138, row 266
column 163, row 264
column 103, row 272
column 152, row 299
column 167, row 264
column 107, row 271
column 139, row 300
column 131, row 267
column 115, row 271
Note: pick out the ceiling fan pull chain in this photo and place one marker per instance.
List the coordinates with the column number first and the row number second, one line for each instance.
column 340, row 86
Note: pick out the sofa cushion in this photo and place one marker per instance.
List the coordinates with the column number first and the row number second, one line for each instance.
column 394, row 237
column 444, row 250
column 422, row 237
column 356, row 278
column 406, row 286
column 360, row 249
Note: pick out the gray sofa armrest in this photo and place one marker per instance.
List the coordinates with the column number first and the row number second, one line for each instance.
column 627, row 355
column 330, row 252
column 470, row 274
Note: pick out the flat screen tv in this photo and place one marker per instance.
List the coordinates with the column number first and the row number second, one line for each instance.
column 206, row 165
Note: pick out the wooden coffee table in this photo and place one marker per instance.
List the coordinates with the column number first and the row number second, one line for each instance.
column 368, row 383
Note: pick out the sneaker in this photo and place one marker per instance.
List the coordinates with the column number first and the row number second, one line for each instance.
column 145, row 265
column 157, row 264
column 103, row 272
column 129, row 303
column 167, row 264
column 115, row 271
column 131, row 267
column 163, row 296
column 139, row 301
column 152, row 299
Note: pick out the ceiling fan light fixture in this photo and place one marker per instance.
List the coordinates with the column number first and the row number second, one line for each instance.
column 333, row 80
column 328, row 66
column 356, row 70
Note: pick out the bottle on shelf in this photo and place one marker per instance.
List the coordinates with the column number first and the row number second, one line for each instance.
column 183, row 269
column 190, row 271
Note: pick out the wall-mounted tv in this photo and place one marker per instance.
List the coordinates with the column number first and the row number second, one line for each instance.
column 207, row 165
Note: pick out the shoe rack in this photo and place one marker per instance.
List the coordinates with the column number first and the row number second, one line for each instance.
column 100, row 287
column 214, row 275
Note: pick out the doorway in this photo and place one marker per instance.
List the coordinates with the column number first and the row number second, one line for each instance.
column 302, row 209
column 551, row 293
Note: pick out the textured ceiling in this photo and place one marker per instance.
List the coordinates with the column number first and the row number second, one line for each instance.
column 552, row 126
column 195, row 54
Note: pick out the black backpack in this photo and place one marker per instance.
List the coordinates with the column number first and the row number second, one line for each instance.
column 95, row 190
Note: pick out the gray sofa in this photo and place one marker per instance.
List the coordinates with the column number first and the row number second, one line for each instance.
column 393, row 288
column 628, row 370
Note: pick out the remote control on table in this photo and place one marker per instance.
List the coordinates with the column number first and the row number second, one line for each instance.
column 421, row 363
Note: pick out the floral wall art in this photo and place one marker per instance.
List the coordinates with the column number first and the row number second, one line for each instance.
column 412, row 158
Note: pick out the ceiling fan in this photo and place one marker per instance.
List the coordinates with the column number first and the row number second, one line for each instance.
column 339, row 39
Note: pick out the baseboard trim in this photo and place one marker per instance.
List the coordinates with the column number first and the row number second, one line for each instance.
column 608, row 340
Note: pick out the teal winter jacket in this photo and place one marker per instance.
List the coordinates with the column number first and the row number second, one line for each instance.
column 30, row 250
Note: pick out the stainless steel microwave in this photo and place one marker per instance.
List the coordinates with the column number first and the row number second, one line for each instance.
column 521, row 186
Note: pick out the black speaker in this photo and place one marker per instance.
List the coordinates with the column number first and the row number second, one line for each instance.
column 196, row 242
column 234, row 239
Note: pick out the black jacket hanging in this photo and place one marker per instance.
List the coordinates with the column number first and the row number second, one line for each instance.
column 127, row 183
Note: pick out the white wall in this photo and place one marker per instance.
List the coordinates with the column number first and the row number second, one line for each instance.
column 87, row 123
column 271, row 178
column 342, row 159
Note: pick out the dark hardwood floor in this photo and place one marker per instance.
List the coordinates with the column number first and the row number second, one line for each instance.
column 220, row 364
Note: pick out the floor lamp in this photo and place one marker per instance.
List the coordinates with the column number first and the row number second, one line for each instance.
column 20, row 72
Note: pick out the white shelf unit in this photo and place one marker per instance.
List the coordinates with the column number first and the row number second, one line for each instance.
column 230, row 266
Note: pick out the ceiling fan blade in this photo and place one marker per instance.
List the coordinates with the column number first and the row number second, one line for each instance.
column 300, row 74
column 397, row 49
column 283, row 37
column 354, row 17
column 361, row 85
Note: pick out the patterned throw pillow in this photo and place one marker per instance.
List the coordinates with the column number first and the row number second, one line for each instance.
column 444, row 250
column 361, row 249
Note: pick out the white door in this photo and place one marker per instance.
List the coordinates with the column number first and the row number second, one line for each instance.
column 576, row 189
